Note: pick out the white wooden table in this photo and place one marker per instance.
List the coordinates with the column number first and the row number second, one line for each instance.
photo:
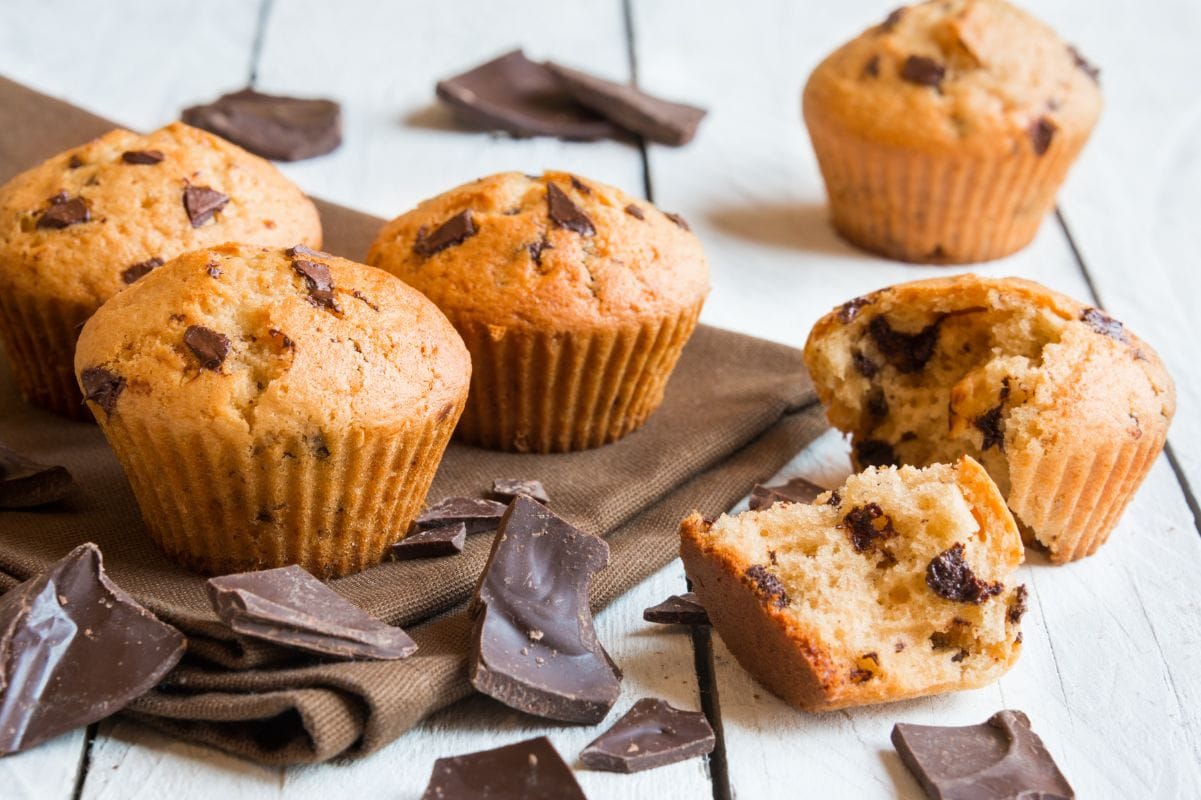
column 1111, row 673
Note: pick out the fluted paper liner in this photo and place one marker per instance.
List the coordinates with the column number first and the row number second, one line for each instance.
column 39, row 336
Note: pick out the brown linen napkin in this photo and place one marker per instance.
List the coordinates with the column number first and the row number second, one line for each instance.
column 736, row 410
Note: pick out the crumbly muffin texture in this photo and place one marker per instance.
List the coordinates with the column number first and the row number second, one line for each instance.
column 898, row 584
column 1047, row 393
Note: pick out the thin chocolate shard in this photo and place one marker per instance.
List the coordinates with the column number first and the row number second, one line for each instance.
column 907, row 352
column 768, row 586
column 651, row 734
column 1104, row 324
column 300, row 250
column 102, row 387
column 679, row 609
column 289, row 607
column 140, row 269
column 533, row 646
column 509, row 489
column 516, row 95
column 949, row 577
column 478, row 515
column 455, row 230
column 445, row 540
column 529, row 770
column 318, row 281
column 652, row 117
column 1001, row 758
column 74, row 649
column 795, row 490
column 25, row 483
column 1041, row 132
column 923, row 71
column 64, row 212
column 201, row 203
column 272, row 126
column 142, row 157
column 565, row 213
column 209, row 346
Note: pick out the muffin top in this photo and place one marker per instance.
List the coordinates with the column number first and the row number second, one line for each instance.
column 980, row 76
column 88, row 222
column 553, row 252
column 270, row 341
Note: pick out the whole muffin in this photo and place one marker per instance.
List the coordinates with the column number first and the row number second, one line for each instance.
column 85, row 224
column 944, row 133
column 274, row 407
column 1064, row 406
column 574, row 299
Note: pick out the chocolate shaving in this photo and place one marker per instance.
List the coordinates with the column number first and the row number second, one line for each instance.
column 529, row 770
column 140, row 269
column 867, row 526
column 1041, row 132
column 679, row 609
column 102, row 387
column 64, row 212
column 949, row 577
column 447, row 540
column 209, row 346
column 508, row 489
column 454, row 231
column 651, row 734
column 907, row 352
column 272, row 126
column 201, row 203
column 923, row 71
column 795, row 490
column 25, row 483
column 478, row 515
column 143, row 157
column 565, row 213
column 768, row 586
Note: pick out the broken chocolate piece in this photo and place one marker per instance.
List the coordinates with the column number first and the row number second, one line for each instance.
column 455, row 230
column 25, row 483
column 1001, row 758
column 64, row 212
column 74, row 649
column 140, row 269
column 565, row 213
column 272, row 126
column 478, row 515
column 300, row 250
column 867, row 526
column 795, row 490
column 874, row 453
column 923, row 71
column 1083, row 63
column 209, row 346
column 1104, row 324
column 142, row 157
column 445, row 540
column 651, row 734
column 949, row 577
column 102, row 387
column 907, row 352
column 289, row 607
column 679, row 609
column 533, row 646
column 529, row 770
column 768, row 586
column 635, row 212
column 508, row 489
column 652, row 117
column 991, row 427
column 318, row 281
column 850, row 309
column 1041, row 132
column 516, row 95
column 201, row 203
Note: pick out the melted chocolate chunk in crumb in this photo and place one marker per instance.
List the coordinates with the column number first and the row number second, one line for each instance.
column 923, row 71
column 875, row 453
column 209, row 346
column 850, row 309
column 907, row 352
column 102, row 387
column 454, row 231
column 991, row 428
column 201, row 203
column 768, row 585
column 140, row 269
column 1104, row 324
column 142, row 157
column 866, row 526
column 1041, row 132
column 64, row 212
column 949, row 577
column 566, row 214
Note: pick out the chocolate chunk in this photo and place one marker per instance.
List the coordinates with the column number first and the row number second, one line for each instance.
column 533, row 646
column 768, row 586
column 991, row 426
column 516, row 95
column 289, row 607
column 478, row 515
column 679, row 609
column 1017, row 608
column 849, row 310
column 140, row 269
column 455, row 230
column 201, row 203
column 76, row 649
column 272, row 126
column 1083, row 63
column 318, row 281
column 874, row 453
column 1041, row 132
column 565, row 213
column 795, row 490
column 143, row 157
column 872, row 68
column 25, row 483
column 635, row 212
column 652, row 117
column 209, row 346
column 651, row 734
column 64, row 212
column 529, row 770
column 1001, row 758
column 867, row 525
column 580, row 186
column 1104, row 324
column 446, row 540
column 535, row 249
column 835, row 499
column 74, row 162
column 102, row 387
column 949, row 577
column 507, row 489
column 300, row 250
column 907, row 352
column 678, row 220
column 923, row 71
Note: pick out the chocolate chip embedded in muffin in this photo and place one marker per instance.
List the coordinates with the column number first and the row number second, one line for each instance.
column 209, row 346
column 907, row 352
column 565, row 213
column 635, row 212
column 454, row 231
column 64, row 212
column 102, row 387
column 140, row 269
column 768, row 585
column 950, row 577
column 923, row 71
column 318, row 282
column 201, row 203
column 1104, row 324
column 850, row 309
column 866, row 526
column 1041, row 132
column 142, row 157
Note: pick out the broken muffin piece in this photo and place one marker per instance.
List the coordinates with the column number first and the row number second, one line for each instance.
column 905, row 588
column 1063, row 406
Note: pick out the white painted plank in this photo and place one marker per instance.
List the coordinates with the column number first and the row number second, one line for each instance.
column 47, row 772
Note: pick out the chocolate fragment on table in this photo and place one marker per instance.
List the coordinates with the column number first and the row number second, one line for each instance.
column 523, row 98
column 1001, row 758
column 74, row 649
column 478, row 515
column 25, row 483
column 272, row 126
column 445, row 540
column 529, row 770
column 651, row 734
column 679, row 609
column 652, row 117
column 533, row 645
column 796, row 490
column 508, row 489
column 289, row 607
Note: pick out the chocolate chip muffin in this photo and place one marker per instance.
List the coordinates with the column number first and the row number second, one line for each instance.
column 944, row 133
column 274, row 407
column 899, row 584
column 1065, row 407
column 574, row 299
column 85, row 224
